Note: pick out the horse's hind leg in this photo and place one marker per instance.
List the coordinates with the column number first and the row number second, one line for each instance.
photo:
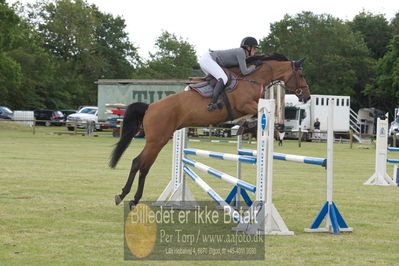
column 126, row 189
column 143, row 162
column 140, row 188
column 147, row 158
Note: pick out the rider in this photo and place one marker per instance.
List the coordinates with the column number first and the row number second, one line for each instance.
column 213, row 61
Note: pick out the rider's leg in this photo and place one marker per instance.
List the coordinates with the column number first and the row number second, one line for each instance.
column 209, row 66
column 219, row 87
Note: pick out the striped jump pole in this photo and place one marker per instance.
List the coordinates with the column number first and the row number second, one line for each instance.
column 220, row 156
column 288, row 157
column 249, row 154
column 233, row 197
column 334, row 222
column 380, row 176
column 201, row 183
column 213, row 140
column 220, row 141
column 225, row 177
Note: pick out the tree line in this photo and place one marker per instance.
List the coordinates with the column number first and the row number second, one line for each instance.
column 52, row 52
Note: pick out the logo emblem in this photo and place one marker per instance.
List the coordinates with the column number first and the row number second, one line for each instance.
column 263, row 122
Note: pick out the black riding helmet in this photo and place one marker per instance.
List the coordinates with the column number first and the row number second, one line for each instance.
column 249, row 42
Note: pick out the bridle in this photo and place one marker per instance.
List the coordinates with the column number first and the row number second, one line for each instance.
column 298, row 89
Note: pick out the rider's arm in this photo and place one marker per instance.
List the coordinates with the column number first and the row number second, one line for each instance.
column 242, row 64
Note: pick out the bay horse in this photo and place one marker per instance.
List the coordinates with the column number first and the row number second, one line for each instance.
column 160, row 119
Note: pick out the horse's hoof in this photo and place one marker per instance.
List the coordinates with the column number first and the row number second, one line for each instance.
column 118, row 199
column 132, row 205
column 220, row 105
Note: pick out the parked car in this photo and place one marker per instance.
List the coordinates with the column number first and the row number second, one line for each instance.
column 84, row 115
column 5, row 113
column 67, row 112
column 394, row 127
column 48, row 117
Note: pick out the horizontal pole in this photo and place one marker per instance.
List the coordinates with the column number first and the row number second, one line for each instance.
column 221, row 156
column 393, row 149
column 215, row 196
column 225, row 177
column 214, row 140
column 247, row 152
column 288, row 157
column 392, row 160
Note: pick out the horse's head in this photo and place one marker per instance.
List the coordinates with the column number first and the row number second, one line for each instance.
column 295, row 81
column 278, row 67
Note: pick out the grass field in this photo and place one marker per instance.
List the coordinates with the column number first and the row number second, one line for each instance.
column 57, row 202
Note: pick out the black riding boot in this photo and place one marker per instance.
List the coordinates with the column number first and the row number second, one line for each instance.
column 219, row 87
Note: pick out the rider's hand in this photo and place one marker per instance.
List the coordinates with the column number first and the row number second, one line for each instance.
column 258, row 62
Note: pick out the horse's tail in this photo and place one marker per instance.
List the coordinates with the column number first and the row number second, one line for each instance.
column 132, row 120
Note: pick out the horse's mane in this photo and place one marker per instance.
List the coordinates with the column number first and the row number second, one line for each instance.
column 267, row 57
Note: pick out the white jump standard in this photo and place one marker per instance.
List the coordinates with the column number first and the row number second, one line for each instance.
column 177, row 194
column 335, row 223
column 380, row 176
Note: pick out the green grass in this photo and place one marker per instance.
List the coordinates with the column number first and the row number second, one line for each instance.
column 57, row 205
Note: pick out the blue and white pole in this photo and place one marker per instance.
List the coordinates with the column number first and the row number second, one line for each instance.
column 288, row 157
column 201, row 183
column 225, row 177
column 220, row 156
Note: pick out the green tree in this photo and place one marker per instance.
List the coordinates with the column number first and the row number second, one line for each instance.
column 338, row 60
column 38, row 75
column 386, row 89
column 10, row 72
column 8, row 26
column 10, row 79
column 375, row 30
column 395, row 24
column 174, row 58
column 85, row 45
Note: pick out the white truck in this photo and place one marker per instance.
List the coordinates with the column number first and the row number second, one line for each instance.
column 302, row 116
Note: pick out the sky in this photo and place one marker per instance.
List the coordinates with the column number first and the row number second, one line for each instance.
column 221, row 24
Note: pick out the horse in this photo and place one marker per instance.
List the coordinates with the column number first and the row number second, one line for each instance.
column 160, row 119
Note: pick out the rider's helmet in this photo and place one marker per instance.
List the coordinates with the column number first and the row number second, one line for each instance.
column 249, row 42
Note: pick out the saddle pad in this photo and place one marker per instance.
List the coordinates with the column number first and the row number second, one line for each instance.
column 206, row 89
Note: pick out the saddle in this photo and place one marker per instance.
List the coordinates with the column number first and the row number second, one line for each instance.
column 204, row 85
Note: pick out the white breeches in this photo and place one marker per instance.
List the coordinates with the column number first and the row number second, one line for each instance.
column 209, row 66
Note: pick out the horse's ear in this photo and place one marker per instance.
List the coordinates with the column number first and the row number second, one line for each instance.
column 299, row 62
